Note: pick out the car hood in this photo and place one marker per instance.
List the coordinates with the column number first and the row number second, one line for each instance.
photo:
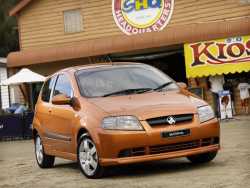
column 149, row 105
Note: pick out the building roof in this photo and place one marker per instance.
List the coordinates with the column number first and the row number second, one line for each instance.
column 15, row 10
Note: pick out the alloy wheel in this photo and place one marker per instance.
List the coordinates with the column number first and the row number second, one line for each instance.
column 39, row 150
column 88, row 157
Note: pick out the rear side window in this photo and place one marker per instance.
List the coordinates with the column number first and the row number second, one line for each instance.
column 63, row 86
column 47, row 88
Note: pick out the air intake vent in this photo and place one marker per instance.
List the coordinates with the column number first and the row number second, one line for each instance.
column 132, row 152
column 174, row 147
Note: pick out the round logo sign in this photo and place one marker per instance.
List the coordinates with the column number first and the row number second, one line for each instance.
column 142, row 16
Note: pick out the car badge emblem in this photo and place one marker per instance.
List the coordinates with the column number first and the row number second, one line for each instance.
column 171, row 120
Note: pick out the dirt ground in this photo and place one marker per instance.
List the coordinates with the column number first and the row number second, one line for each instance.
column 231, row 168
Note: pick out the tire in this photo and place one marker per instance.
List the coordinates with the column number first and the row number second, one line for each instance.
column 43, row 160
column 88, row 159
column 202, row 158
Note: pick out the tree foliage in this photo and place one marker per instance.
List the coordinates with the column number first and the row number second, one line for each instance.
column 8, row 28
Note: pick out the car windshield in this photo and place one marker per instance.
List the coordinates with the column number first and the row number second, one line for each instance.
column 122, row 80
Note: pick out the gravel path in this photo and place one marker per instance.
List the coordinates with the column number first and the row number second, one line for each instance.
column 231, row 168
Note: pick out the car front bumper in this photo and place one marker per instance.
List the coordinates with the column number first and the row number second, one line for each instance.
column 125, row 147
column 156, row 157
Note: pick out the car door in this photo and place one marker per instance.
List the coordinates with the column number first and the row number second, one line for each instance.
column 62, row 117
column 43, row 109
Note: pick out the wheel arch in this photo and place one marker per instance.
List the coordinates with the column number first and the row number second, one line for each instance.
column 34, row 133
column 91, row 134
column 80, row 132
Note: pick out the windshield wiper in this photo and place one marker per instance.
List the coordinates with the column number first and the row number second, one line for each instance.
column 129, row 91
column 163, row 85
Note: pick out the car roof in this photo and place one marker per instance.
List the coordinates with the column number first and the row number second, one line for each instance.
column 96, row 65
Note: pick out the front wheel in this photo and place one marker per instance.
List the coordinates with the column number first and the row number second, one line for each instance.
column 88, row 159
column 43, row 160
column 202, row 158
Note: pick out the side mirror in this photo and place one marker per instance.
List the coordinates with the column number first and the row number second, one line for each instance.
column 61, row 99
column 182, row 85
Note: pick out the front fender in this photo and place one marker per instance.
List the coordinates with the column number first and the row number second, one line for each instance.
column 36, row 125
column 91, row 127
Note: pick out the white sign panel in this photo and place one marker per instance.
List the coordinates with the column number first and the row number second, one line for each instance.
column 225, row 105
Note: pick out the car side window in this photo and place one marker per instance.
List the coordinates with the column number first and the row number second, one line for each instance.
column 63, row 86
column 47, row 88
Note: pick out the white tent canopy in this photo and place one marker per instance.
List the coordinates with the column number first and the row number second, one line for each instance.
column 23, row 76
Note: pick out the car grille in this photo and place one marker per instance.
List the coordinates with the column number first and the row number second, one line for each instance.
column 183, row 118
column 183, row 145
column 174, row 147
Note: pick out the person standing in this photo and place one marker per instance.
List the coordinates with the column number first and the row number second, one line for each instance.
column 244, row 95
column 216, row 83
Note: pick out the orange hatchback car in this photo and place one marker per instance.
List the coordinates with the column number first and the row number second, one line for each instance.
column 120, row 113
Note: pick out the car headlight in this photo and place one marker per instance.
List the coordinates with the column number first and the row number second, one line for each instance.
column 205, row 113
column 129, row 123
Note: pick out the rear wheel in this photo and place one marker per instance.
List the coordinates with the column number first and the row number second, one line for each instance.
column 43, row 160
column 202, row 158
column 88, row 159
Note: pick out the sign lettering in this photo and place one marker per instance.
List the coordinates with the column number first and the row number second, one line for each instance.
column 218, row 56
column 142, row 16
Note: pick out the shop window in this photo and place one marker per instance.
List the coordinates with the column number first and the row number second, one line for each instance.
column 245, row 1
column 73, row 21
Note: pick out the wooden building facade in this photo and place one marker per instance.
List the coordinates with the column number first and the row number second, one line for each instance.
column 58, row 33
